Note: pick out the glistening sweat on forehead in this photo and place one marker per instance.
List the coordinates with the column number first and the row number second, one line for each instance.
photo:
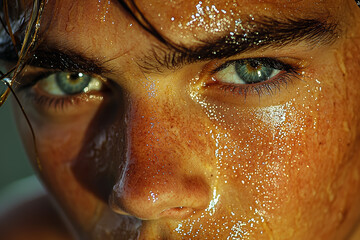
column 197, row 119
column 268, row 33
column 249, row 34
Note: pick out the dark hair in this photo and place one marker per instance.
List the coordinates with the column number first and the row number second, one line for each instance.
column 20, row 24
column 20, row 21
column 15, row 18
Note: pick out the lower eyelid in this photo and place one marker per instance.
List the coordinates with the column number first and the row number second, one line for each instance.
column 268, row 87
column 50, row 105
column 215, row 80
column 65, row 105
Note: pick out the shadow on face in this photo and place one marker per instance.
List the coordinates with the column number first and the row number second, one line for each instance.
column 244, row 127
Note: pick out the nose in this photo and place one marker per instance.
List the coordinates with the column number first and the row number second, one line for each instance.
column 163, row 176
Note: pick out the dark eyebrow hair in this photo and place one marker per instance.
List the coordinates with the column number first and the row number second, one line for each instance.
column 66, row 60
column 266, row 33
column 58, row 59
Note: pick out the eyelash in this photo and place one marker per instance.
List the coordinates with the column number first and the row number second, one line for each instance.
column 288, row 74
column 55, row 102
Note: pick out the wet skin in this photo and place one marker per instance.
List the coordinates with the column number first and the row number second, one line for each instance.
column 178, row 153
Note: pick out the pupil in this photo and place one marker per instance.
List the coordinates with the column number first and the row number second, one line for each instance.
column 72, row 83
column 253, row 72
column 74, row 77
column 253, row 66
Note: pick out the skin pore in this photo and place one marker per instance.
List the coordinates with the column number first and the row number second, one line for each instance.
column 172, row 146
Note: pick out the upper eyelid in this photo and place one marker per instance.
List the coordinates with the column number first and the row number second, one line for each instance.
column 263, row 60
column 32, row 78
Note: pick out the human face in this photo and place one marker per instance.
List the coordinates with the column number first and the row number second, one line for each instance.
column 184, row 149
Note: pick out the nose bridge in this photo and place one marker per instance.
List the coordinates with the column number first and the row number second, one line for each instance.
column 150, row 135
column 156, row 181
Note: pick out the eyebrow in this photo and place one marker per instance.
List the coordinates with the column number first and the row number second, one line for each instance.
column 266, row 33
column 58, row 59
column 66, row 60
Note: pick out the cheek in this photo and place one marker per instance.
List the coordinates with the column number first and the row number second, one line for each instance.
column 291, row 159
column 263, row 156
column 83, row 156
column 58, row 143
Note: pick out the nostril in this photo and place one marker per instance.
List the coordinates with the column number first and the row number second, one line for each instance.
column 177, row 212
column 149, row 198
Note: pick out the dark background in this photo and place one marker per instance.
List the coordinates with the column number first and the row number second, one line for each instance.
column 14, row 164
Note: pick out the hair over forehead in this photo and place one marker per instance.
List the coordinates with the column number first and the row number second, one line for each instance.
column 14, row 16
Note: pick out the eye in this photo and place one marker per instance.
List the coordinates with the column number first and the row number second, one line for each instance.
column 252, row 76
column 65, row 83
column 66, row 91
column 247, row 72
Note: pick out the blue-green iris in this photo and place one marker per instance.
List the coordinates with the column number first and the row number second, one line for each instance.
column 251, row 72
column 72, row 83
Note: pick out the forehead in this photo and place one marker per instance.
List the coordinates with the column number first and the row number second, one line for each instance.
column 207, row 17
column 232, row 7
column 210, row 10
column 105, row 24
column 188, row 15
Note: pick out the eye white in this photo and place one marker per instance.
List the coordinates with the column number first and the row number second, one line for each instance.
column 229, row 75
column 50, row 85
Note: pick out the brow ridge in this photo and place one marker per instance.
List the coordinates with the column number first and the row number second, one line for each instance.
column 268, row 33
